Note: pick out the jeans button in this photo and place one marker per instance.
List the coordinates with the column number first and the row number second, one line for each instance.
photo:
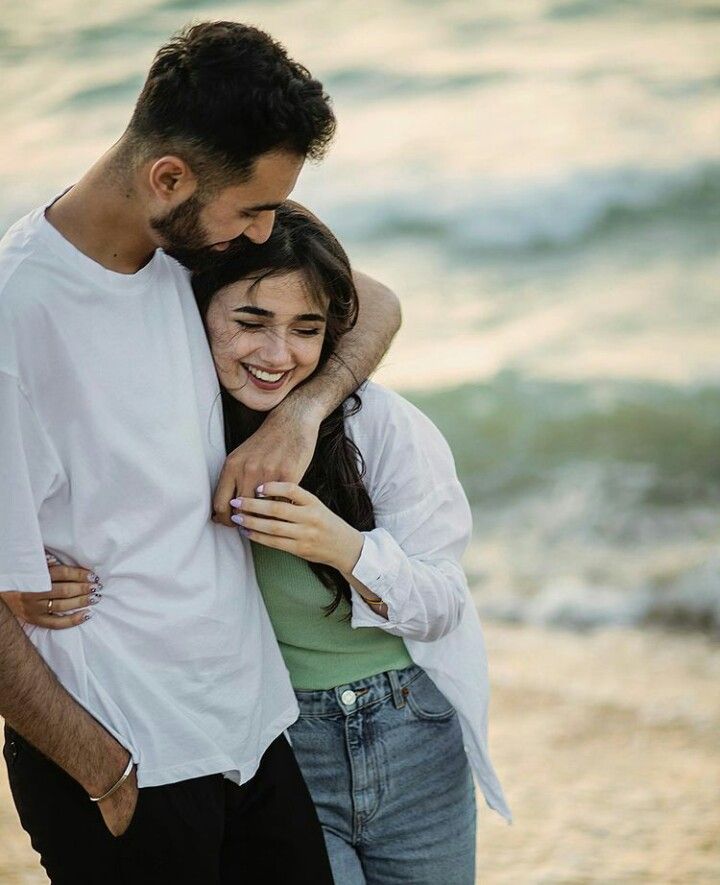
column 348, row 697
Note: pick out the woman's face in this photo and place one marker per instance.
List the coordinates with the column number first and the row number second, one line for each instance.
column 265, row 339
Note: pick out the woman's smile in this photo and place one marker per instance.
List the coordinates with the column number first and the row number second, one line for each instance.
column 266, row 379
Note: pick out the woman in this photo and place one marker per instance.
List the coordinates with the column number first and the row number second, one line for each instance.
column 360, row 570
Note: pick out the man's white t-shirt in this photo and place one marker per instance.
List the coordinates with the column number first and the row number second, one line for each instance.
column 111, row 441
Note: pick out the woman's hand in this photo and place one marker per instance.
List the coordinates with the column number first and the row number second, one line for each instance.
column 73, row 590
column 299, row 524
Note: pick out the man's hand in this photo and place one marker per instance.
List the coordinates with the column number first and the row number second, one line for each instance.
column 118, row 810
column 281, row 450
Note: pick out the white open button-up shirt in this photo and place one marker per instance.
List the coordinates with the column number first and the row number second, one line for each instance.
column 412, row 561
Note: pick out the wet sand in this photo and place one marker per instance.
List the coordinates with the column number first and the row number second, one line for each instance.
column 609, row 748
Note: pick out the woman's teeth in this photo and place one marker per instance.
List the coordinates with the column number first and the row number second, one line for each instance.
column 270, row 377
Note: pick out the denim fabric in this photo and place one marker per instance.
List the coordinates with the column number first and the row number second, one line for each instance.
column 390, row 779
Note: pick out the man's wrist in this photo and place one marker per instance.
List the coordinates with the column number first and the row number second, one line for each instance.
column 99, row 782
column 300, row 407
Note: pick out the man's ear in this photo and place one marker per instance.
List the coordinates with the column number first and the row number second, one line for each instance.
column 171, row 180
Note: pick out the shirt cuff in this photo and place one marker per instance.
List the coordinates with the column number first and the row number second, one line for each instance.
column 377, row 568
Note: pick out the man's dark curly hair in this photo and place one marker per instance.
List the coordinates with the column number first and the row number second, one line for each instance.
column 220, row 94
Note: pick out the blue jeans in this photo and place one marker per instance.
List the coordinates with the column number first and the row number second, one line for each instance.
column 384, row 760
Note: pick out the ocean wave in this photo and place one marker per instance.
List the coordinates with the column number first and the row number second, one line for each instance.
column 368, row 83
column 510, row 435
column 595, row 504
column 482, row 217
column 692, row 604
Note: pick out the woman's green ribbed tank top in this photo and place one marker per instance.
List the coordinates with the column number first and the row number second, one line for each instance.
column 320, row 651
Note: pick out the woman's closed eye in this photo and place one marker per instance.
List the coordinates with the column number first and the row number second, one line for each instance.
column 303, row 332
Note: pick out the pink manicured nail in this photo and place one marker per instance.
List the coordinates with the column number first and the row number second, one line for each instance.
column 260, row 489
column 237, row 519
column 93, row 578
column 236, row 502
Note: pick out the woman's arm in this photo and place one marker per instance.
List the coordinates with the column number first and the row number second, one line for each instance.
column 413, row 558
column 410, row 562
column 283, row 446
column 304, row 526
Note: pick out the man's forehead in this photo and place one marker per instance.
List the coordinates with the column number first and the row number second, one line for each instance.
column 270, row 184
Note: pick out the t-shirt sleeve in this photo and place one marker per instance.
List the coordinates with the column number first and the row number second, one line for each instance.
column 27, row 473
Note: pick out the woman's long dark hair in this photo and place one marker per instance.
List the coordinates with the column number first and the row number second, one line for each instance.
column 300, row 242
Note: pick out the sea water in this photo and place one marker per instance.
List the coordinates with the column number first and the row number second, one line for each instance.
column 540, row 183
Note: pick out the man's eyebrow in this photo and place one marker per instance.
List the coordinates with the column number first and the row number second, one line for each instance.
column 263, row 207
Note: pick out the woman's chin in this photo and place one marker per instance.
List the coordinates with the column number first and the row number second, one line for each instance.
column 260, row 402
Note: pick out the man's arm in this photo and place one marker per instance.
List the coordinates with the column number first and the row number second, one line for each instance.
column 35, row 705
column 281, row 450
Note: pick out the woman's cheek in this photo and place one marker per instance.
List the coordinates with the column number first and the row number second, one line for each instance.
column 310, row 356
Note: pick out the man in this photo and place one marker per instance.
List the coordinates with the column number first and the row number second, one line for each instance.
column 110, row 445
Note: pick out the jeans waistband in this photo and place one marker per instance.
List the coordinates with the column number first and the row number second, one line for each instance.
column 353, row 696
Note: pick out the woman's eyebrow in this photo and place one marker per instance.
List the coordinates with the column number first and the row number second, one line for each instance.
column 258, row 311
column 262, row 312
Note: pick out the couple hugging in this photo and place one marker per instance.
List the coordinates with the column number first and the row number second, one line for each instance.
column 249, row 653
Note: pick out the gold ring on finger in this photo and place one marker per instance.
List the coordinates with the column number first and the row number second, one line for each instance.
column 49, row 606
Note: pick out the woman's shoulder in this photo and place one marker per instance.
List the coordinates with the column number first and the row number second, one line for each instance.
column 384, row 411
column 393, row 435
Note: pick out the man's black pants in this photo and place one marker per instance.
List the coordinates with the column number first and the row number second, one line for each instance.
column 205, row 831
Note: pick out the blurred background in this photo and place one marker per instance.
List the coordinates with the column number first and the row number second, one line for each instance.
column 539, row 181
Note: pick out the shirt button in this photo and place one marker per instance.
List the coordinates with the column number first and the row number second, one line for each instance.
column 348, row 697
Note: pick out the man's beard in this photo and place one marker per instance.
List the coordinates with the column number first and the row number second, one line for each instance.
column 184, row 237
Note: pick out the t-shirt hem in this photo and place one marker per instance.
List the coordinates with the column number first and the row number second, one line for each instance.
column 220, row 764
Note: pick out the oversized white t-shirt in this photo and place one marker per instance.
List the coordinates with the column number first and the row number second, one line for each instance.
column 111, row 440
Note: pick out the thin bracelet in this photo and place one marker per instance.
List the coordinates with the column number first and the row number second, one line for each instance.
column 116, row 786
column 377, row 602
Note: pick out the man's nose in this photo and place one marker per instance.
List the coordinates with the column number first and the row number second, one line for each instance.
column 261, row 228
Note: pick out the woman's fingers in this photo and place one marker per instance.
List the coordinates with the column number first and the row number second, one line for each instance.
column 267, row 508
column 63, row 590
column 267, row 526
column 278, row 543
column 289, row 490
column 62, row 603
column 60, row 622
column 67, row 573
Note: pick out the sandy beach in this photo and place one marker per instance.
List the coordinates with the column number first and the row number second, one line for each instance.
column 608, row 747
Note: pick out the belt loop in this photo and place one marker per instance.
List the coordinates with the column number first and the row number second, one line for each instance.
column 398, row 692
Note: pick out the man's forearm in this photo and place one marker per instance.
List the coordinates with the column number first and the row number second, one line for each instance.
column 358, row 353
column 34, row 703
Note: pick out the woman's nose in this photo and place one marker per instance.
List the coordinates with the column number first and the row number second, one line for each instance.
column 275, row 350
